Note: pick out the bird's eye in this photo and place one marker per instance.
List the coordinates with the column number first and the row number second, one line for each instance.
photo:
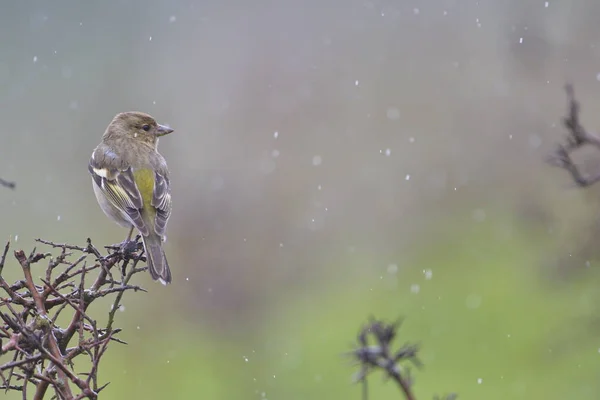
column 146, row 127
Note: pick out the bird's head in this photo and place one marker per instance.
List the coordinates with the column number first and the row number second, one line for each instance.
column 136, row 125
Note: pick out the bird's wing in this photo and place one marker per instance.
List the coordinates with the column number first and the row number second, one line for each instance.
column 119, row 187
column 161, row 200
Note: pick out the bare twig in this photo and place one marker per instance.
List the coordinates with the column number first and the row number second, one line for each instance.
column 577, row 138
column 374, row 352
column 41, row 352
column 8, row 184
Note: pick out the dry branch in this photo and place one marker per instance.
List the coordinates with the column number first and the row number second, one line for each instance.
column 36, row 353
column 577, row 137
column 8, row 184
column 375, row 352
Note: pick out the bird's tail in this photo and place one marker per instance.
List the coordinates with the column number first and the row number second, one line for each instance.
column 157, row 261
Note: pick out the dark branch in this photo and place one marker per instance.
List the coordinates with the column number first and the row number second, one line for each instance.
column 42, row 354
column 7, row 184
column 577, row 138
column 375, row 352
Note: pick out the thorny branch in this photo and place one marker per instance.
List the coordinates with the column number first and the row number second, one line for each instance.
column 375, row 352
column 35, row 352
column 577, row 137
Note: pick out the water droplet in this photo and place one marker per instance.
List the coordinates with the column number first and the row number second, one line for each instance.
column 172, row 18
column 535, row 141
column 407, row 177
column 546, row 4
column 58, row 217
column 35, row 59
column 415, row 288
column 428, row 274
column 150, row 39
column 392, row 269
column 393, row 113
column 388, row 152
column 416, row 11
column 317, row 160
column 275, row 153
column 479, row 381
column 356, row 83
column 473, row 301
column 276, row 135
column 520, row 40
column 479, row 215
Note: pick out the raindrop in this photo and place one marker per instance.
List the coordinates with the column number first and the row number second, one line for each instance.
column 473, row 301
column 393, row 113
column 35, row 59
column 479, row 215
column 317, row 160
column 415, row 288
column 172, row 18
column 276, row 135
column 407, row 177
column 479, row 381
column 535, row 141
column 392, row 269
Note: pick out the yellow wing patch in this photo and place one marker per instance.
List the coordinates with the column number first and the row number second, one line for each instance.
column 144, row 179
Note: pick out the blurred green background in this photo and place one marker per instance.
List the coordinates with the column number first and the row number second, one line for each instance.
column 331, row 160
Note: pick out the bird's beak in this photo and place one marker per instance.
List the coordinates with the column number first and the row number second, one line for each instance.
column 162, row 130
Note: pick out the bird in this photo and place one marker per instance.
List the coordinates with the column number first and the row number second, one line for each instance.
column 131, row 183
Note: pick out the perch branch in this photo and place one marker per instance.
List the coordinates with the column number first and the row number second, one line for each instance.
column 42, row 354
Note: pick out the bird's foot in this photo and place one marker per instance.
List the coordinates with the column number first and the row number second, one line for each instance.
column 127, row 246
